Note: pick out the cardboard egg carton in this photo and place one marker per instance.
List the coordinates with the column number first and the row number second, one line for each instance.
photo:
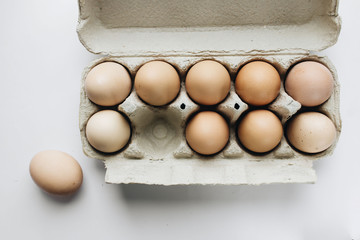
column 183, row 33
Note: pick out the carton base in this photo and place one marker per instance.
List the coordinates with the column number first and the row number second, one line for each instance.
column 192, row 171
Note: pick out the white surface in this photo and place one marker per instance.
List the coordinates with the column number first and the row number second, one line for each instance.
column 41, row 65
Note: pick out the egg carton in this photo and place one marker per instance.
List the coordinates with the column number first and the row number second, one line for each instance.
column 157, row 152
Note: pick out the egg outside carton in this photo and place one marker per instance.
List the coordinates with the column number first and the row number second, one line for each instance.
column 158, row 153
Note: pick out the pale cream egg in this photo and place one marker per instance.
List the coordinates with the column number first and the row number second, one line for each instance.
column 311, row 132
column 56, row 172
column 108, row 131
column 108, row 84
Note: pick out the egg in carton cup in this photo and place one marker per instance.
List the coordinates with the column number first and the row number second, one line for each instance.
column 183, row 33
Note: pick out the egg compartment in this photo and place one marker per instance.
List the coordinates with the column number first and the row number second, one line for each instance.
column 159, row 154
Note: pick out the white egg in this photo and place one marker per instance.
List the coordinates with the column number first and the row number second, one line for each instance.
column 108, row 131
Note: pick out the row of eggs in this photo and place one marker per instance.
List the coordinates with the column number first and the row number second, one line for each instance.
column 207, row 132
column 208, row 83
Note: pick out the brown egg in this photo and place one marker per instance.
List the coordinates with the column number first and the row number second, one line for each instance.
column 207, row 133
column 108, row 84
column 260, row 131
column 108, row 131
column 258, row 83
column 157, row 83
column 56, row 172
column 311, row 132
column 208, row 82
column 310, row 83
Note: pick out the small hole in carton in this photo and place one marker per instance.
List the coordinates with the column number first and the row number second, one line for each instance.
column 236, row 106
column 183, row 106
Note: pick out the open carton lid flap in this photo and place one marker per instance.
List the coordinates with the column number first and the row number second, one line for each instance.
column 207, row 27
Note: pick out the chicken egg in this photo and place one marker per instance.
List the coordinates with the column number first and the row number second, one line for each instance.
column 258, row 83
column 157, row 83
column 260, row 131
column 310, row 83
column 311, row 132
column 56, row 172
column 208, row 82
column 108, row 131
column 207, row 133
column 108, row 84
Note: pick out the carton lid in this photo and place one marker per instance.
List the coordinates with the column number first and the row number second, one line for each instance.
column 207, row 27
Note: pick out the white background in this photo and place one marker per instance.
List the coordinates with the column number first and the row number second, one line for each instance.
column 41, row 65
